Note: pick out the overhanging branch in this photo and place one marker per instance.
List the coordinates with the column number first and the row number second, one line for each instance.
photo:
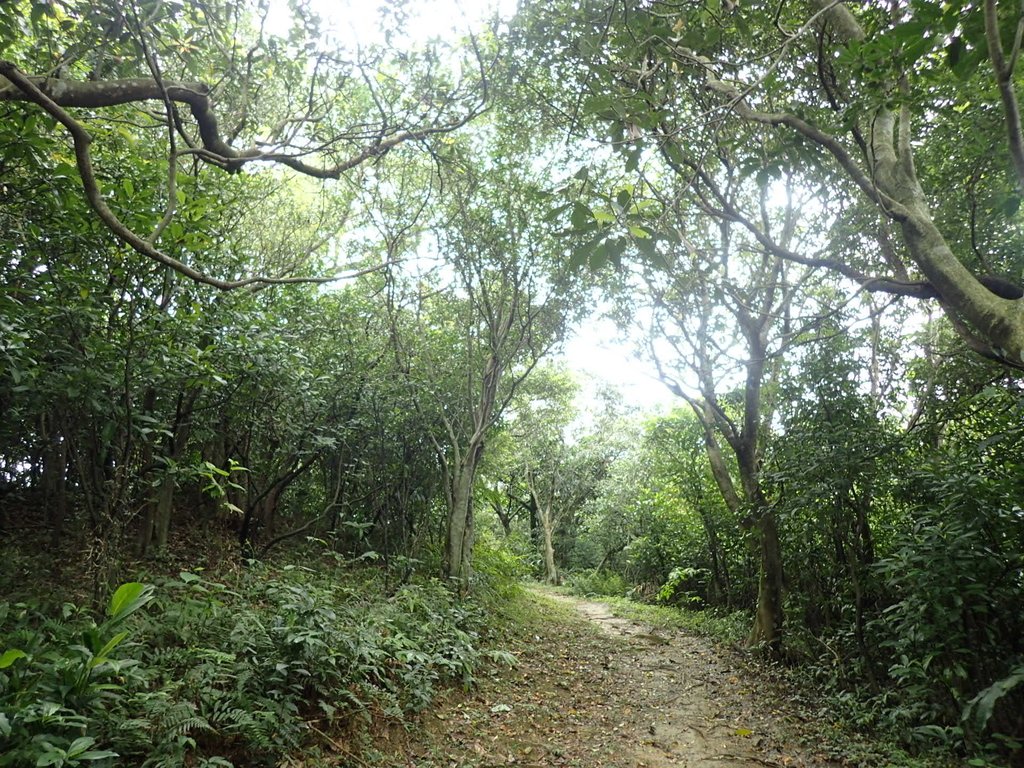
column 101, row 94
column 71, row 94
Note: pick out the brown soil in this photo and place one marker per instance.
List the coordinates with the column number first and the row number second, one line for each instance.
column 593, row 690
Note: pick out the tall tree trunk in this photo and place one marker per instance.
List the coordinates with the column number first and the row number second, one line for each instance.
column 719, row 567
column 460, row 534
column 767, row 629
column 162, row 511
column 54, row 481
column 459, row 550
column 155, row 527
column 548, row 528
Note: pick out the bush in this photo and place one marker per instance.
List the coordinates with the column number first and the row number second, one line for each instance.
column 60, row 676
column 248, row 673
column 500, row 565
column 685, row 588
column 597, row 583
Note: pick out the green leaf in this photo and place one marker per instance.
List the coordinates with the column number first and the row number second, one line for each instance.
column 101, row 655
column 648, row 247
column 127, row 599
column 984, row 703
column 97, row 754
column 80, row 745
column 602, row 106
column 129, row 188
column 633, row 159
column 10, row 656
column 52, row 757
column 554, row 213
column 64, row 170
column 581, row 216
column 38, row 11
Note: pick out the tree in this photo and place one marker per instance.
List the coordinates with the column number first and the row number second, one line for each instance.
column 552, row 459
column 721, row 321
column 466, row 348
column 886, row 112
column 676, row 445
column 222, row 79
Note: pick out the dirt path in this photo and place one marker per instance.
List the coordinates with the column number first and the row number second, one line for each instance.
column 697, row 709
column 593, row 690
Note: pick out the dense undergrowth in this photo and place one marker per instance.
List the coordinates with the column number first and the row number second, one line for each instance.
column 252, row 667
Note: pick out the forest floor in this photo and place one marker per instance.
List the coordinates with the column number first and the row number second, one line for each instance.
column 593, row 689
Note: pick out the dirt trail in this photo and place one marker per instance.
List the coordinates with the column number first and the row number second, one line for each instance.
column 697, row 709
column 593, row 690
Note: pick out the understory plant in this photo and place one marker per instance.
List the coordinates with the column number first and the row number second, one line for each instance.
column 275, row 663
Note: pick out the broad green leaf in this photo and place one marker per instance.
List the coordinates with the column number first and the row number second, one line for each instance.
column 80, row 745
column 581, row 215
column 128, row 598
column 10, row 656
column 101, row 656
column 52, row 757
column 97, row 754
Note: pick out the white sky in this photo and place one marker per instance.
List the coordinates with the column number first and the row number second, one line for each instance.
column 599, row 348
column 352, row 22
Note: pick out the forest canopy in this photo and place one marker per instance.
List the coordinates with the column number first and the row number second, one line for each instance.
column 268, row 291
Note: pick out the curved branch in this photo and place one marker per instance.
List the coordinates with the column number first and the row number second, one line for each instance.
column 828, row 142
column 196, row 95
column 82, row 139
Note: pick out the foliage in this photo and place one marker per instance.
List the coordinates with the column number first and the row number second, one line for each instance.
column 949, row 625
column 759, row 159
column 247, row 673
column 595, row 583
column 61, row 675
column 685, row 587
column 498, row 567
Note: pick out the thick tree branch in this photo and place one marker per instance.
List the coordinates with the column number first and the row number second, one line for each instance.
column 824, row 140
column 81, row 139
column 110, row 93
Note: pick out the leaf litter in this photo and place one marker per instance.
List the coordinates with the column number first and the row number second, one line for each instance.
column 594, row 690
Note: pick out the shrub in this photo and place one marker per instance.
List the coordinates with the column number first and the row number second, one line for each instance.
column 685, row 587
column 500, row 565
column 250, row 673
column 60, row 678
column 594, row 582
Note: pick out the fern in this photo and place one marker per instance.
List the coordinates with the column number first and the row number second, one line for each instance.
column 181, row 718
